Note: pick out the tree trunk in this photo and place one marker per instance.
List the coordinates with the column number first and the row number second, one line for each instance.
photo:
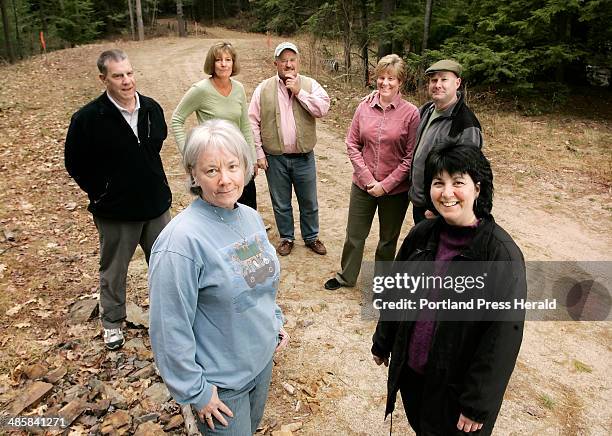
column 426, row 24
column 153, row 14
column 365, row 42
column 348, row 35
column 7, row 36
column 180, row 18
column 385, row 47
column 139, row 21
column 17, row 34
column 563, row 36
column 131, row 12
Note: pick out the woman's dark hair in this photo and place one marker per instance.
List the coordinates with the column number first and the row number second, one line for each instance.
column 454, row 158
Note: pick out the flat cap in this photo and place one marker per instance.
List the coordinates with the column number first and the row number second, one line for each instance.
column 284, row 46
column 445, row 65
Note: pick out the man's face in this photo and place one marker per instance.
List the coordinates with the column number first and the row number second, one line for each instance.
column 442, row 87
column 119, row 81
column 287, row 64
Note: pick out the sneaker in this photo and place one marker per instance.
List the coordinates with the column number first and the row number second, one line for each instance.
column 285, row 247
column 317, row 246
column 113, row 339
column 332, row 284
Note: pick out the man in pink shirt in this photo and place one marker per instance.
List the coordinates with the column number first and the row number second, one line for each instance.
column 283, row 114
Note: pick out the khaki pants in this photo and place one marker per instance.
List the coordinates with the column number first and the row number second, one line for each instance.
column 362, row 207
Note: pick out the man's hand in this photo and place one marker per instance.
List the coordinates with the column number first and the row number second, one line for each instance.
column 370, row 97
column 284, row 340
column 293, row 84
column 262, row 163
column 380, row 361
column 214, row 408
column 375, row 189
column 467, row 425
column 429, row 214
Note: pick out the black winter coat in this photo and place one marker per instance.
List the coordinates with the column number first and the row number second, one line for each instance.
column 122, row 175
column 470, row 362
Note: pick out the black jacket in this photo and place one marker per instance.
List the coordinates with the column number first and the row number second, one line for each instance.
column 470, row 362
column 122, row 175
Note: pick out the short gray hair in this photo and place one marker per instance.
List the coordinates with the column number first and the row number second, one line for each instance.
column 216, row 134
column 115, row 54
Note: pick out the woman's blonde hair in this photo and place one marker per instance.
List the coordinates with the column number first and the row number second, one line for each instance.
column 392, row 62
column 215, row 51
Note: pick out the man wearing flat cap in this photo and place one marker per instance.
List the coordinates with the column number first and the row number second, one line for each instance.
column 283, row 114
column 445, row 117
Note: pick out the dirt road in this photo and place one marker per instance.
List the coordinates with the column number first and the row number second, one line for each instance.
column 561, row 384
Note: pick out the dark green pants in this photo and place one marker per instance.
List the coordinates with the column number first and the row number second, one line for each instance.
column 362, row 207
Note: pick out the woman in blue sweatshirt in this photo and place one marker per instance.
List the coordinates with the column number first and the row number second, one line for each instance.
column 213, row 279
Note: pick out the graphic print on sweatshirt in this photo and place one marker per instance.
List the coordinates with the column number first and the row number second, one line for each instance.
column 254, row 267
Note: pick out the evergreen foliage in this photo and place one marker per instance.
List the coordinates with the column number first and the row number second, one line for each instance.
column 516, row 43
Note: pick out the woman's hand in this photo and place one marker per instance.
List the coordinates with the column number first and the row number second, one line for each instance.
column 214, row 408
column 467, row 425
column 284, row 340
column 429, row 214
column 379, row 361
column 262, row 163
column 375, row 189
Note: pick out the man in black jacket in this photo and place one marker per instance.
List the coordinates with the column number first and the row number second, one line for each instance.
column 113, row 153
column 445, row 117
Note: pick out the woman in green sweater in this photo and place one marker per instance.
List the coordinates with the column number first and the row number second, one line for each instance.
column 218, row 96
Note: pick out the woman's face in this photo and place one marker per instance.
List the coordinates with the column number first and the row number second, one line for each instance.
column 223, row 64
column 453, row 196
column 388, row 84
column 221, row 177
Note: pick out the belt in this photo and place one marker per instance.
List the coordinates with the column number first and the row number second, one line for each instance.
column 296, row 155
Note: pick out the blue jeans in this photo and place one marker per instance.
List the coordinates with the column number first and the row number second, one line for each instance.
column 247, row 405
column 300, row 172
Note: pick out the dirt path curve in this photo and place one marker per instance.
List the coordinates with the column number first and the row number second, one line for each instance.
column 561, row 384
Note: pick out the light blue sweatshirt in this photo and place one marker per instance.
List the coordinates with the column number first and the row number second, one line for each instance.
column 213, row 313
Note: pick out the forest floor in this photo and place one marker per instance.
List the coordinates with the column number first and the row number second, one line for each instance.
column 553, row 195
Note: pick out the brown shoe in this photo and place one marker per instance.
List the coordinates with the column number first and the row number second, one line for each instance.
column 317, row 246
column 285, row 247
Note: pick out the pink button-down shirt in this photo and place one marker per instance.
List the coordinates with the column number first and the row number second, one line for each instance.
column 316, row 103
column 380, row 141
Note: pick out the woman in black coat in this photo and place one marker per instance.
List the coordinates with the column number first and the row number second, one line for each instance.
column 452, row 373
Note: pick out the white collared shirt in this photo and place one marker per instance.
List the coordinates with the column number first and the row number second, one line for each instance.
column 130, row 117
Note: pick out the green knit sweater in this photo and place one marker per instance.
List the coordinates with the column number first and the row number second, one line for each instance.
column 207, row 103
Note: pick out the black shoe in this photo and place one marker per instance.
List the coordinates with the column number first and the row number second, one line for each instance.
column 332, row 284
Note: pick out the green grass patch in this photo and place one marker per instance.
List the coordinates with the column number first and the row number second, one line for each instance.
column 582, row 367
column 547, row 401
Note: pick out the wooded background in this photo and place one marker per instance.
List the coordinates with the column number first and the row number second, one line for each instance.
column 517, row 44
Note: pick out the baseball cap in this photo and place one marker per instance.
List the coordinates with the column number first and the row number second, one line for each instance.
column 445, row 65
column 284, row 46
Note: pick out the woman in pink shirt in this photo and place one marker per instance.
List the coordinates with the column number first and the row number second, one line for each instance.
column 379, row 144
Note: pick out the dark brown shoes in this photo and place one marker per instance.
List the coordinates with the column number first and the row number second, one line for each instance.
column 317, row 246
column 285, row 247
